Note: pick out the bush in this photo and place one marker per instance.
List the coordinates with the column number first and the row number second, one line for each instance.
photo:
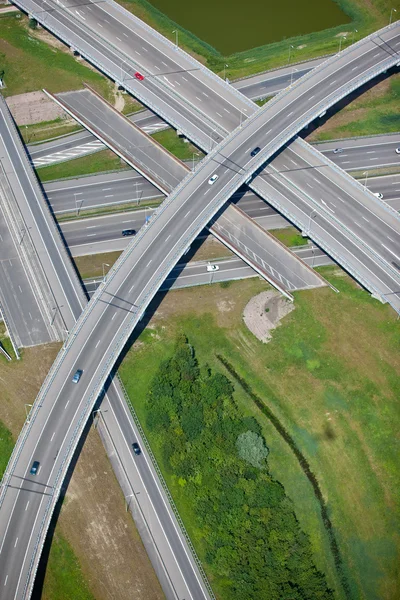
column 33, row 23
column 251, row 448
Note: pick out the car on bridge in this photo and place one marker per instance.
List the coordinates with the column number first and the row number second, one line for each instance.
column 77, row 376
column 35, row 467
column 139, row 76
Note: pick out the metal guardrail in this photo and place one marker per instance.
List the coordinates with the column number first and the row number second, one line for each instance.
column 165, row 486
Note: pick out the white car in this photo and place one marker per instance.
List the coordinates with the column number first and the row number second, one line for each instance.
column 378, row 195
column 213, row 179
column 397, row 150
column 337, row 150
column 212, row 268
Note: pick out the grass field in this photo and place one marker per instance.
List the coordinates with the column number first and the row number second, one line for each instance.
column 366, row 15
column 47, row 130
column 331, row 376
column 176, row 145
column 98, row 162
column 375, row 111
column 290, row 236
column 91, row 265
column 30, row 63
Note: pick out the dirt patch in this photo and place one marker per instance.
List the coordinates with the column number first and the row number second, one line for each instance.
column 264, row 312
column 119, row 100
column 102, row 533
column 34, row 107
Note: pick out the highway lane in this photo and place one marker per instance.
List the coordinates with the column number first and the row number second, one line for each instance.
column 195, row 273
column 108, row 228
column 263, row 85
column 128, row 187
column 354, row 210
column 39, row 231
column 131, row 143
column 364, row 152
column 99, row 191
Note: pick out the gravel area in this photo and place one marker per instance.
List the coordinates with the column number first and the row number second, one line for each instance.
column 33, row 107
column 264, row 312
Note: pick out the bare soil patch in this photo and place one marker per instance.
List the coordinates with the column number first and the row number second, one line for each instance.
column 264, row 312
column 34, row 107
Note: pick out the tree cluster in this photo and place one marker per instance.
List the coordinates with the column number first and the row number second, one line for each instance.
column 251, row 538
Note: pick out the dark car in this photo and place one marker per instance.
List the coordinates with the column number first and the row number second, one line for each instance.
column 35, row 467
column 255, row 151
column 128, row 231
column 139, row 76
column 136, row 448
column 77, row 376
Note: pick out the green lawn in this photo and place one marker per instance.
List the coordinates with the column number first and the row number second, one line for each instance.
column 30, row 63
column 6, row 343
column 98, row 162
column 46, row 130
column 376, row 111
column 290, row 236
column 331, row 376
column 64, row 579
column 176, row 145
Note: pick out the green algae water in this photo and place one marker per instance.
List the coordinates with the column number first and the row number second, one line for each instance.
column 232, row 26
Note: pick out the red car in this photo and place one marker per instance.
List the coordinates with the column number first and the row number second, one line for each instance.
column 139, row 76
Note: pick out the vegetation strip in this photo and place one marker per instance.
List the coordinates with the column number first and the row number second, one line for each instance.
column 239, row 517
column 303, row 464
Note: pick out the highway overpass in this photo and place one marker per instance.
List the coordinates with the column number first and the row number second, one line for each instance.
column 108, row 321
column 117, row 284
column 204, row 107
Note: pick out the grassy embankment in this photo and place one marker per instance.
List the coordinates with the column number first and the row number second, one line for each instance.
column 375, row 111
column 98, row 162
column 331, row 376
column 366, row 15
column 31, row 63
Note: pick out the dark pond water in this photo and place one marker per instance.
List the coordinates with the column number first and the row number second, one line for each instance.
column 233, row 25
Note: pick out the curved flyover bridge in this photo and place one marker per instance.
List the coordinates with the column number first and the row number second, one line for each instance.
column 94, row 344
